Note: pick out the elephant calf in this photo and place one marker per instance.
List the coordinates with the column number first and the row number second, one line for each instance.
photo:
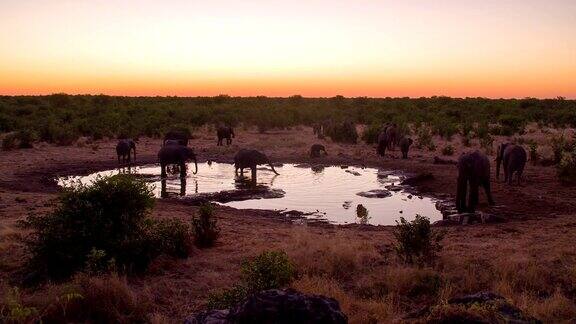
column 513, row 158
column 405, row 144
column 473, row 172
column 316, row 149
column 225, row 132
column 123, row 149
column 176, row 154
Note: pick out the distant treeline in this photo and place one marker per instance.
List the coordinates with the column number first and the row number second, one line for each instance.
column 62, row 118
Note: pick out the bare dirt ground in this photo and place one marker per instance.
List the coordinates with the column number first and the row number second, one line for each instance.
column 514, row 258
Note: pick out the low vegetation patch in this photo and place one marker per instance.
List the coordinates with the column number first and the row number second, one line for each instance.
column 268, row 270
column 417, row 242
column 205, row 227
column 101, row 226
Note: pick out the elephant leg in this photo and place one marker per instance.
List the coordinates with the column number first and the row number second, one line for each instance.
column 253, row 175
column 519, row 175
column 242, row 172
column 162, row 170
column 509, row 175
column 461, row 193
column 473, row 198
column 182, row 170
column 486, row 185
column 119, row 159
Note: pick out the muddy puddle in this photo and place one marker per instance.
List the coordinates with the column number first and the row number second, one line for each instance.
column 331, row 193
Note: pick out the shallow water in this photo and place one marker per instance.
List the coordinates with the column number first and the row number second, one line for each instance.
column 328, row 193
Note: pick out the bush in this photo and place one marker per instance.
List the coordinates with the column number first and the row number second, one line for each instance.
column 206, row 230
column 269, row 270
column 342, row 133
column 560, row 145
column 424, row 137
column 448, row 150
column 106, row 223
column 416, row 242
column 227, row 297
column 173, row 237
column 567, row 167
column 370, row 135
column 9, row 142
column 533, row 151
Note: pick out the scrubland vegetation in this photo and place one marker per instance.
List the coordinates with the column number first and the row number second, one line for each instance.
column 62, row 118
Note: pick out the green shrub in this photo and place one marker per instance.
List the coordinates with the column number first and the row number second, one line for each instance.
column 342, row 132
column 227, row 297
column 416, row 241
column 12, row 310
column 173, row 237
column 104, row 223
column 370, row 135
column 424, row 137
column 205, row 229
column 560, row 145
column 448, row 150
column 270, row 269
column 567, row 167
column 533, row 151
column 9, row 142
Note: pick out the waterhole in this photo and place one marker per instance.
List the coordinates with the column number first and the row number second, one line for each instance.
column 331, row 193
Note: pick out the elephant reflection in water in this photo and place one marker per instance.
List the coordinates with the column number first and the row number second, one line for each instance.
column 164, row 191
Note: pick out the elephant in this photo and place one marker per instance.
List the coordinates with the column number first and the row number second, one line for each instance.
column 382, row 143
column 473, row 171
column 176, row 154
column 513, row 158
column 250, row 159
column 123, row 150
column 392, row 135
column 405, row 144
column 225, row 132
column 181, row 136
column 316, row 149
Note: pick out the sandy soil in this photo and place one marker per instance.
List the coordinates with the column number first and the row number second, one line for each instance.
column 540, row 210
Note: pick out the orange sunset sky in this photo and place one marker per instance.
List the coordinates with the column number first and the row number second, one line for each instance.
column 505, row 48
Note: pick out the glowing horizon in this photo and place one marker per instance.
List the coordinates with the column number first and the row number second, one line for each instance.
column 315, row 48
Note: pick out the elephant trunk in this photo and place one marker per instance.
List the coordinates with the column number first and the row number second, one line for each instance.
column 195, row 166
column 134, row 153
column 272, row 167
column 498, row 162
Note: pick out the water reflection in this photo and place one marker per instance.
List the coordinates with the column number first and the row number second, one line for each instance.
column 328, row 191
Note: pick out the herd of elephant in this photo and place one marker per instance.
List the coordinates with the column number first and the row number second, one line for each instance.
column 473, row 167
column 175, row 151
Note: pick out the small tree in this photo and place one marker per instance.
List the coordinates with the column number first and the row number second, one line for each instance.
column 205, row 229
column 416, row 241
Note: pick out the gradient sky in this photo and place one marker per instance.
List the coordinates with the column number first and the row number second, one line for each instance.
column 490, row 48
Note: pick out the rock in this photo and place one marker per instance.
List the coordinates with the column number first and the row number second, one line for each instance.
column 318, row 167
column 258, row 192
column 508, row 312
column 376, row 193
column 382, row 174
column 280, row 306
column 347, row 204
column 343, row 167
column 414, row 180
column 353, row 172
column 394, row 187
